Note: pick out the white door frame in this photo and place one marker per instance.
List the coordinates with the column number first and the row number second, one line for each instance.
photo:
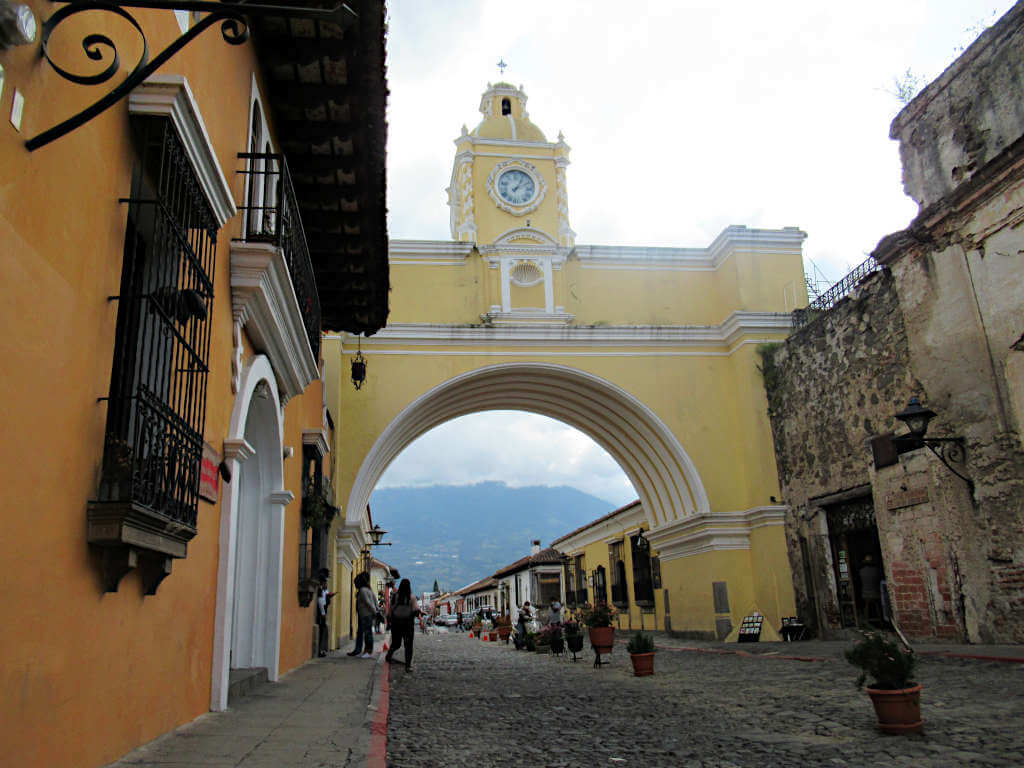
column 236, row 451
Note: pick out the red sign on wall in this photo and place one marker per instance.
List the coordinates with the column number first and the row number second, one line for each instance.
column 209, row 474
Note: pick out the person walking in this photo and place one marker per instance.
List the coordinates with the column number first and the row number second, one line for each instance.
column 404, row 610
column 366, row 608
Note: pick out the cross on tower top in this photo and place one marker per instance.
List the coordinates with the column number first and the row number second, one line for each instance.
column 501, row 65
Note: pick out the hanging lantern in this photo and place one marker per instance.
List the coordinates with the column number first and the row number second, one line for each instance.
column 358, row 366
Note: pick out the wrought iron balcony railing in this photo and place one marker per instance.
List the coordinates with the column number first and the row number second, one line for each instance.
column 272, row 216
column 833, row 295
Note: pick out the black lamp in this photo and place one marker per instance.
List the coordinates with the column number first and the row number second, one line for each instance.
column 376, row 534
column 358, row 366
column 916, row 417
column 947, row 449
column 641, row 543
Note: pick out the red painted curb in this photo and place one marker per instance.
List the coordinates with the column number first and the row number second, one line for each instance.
column 378, row 752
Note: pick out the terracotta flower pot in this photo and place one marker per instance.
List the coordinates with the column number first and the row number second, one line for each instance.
column 898, row 711
column 494, row 636
column 504, row 632
column 643, row 664
column 602, row 639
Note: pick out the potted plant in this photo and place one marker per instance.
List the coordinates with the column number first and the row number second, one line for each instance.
column 598, row 618
column 542, row 639
column 551, row 635
column 573, row 637
column 897, row 699
column 641, row 653
column 504, row 625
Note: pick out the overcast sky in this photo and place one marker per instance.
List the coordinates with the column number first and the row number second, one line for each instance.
column 683, row 118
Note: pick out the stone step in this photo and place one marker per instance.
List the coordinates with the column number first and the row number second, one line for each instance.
column 244, row 681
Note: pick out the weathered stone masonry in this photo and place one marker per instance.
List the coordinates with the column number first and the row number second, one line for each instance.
column 942, row 321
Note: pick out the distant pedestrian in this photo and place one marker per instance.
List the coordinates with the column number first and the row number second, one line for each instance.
column 323, row 600
column 404, row 610
column 524, row 616
column 366, row 609
column 555, row 615
column 871, row 588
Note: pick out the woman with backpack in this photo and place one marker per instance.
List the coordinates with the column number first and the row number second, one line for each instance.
column 404, row 610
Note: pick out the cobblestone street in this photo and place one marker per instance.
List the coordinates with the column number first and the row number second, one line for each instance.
column 473, row 703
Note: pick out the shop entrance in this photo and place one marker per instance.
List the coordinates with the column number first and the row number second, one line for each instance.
column 857, row 562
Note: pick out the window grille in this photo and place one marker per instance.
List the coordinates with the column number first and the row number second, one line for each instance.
column 620, row 595
column 600, row 585
column 570, row 582
column 581, row 581
column 157, row 400
column 643, row 583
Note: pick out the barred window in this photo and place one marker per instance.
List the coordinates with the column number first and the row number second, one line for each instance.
column 600, row 585
column 581, row 580
column 617, row 564
column 157, row 401
column 643, row 582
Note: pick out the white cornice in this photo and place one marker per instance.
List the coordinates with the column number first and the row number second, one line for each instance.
column 697, row 534
column 732, row 241
column 170, row 96
column 436, row 252
column 238, row 449
column 318, row 439
column 263, row 301
column 532, row 316
column 282, row 497
column 727, row 334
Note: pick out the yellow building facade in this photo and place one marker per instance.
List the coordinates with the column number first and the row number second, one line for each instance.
column 649, row 351
column 164, row 414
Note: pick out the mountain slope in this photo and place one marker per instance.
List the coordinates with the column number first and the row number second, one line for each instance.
column 459, row 534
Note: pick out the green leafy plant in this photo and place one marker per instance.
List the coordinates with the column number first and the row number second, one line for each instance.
column 640, row 643
column 598, row 615
column 889, row 666
column 316, row 510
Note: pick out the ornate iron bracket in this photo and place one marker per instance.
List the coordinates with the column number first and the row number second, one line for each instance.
column 946, row 449
column 234, row 28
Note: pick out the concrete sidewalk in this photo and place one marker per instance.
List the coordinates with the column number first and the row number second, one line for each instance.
column 320, row 714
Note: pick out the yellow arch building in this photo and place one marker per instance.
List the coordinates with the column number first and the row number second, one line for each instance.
column 649, row 351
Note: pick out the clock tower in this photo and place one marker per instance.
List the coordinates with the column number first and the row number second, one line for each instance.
column 508, row 196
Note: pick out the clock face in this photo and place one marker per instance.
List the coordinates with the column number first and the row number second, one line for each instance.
column 516, row 187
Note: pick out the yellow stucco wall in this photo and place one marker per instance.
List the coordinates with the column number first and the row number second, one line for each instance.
column 111, row 670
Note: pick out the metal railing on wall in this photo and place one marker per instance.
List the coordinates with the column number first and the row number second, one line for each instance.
column 272, row 216
column 831, row 297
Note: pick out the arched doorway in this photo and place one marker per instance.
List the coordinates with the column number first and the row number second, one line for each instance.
column 247, row 629
column 665, row 478
column 252, row 640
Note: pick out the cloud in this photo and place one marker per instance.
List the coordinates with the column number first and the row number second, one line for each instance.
column 684, row 117
column 512, row 447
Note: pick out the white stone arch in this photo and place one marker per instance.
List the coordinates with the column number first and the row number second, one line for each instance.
column 271, row 505
column 663, row 475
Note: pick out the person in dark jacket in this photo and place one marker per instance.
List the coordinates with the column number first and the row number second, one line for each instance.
column 404, row 610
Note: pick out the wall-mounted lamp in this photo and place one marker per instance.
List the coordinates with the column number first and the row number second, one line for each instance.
column 18, row 25
column 641, row 543
column 358, row 366
column 376, row 534
column 947, row 449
